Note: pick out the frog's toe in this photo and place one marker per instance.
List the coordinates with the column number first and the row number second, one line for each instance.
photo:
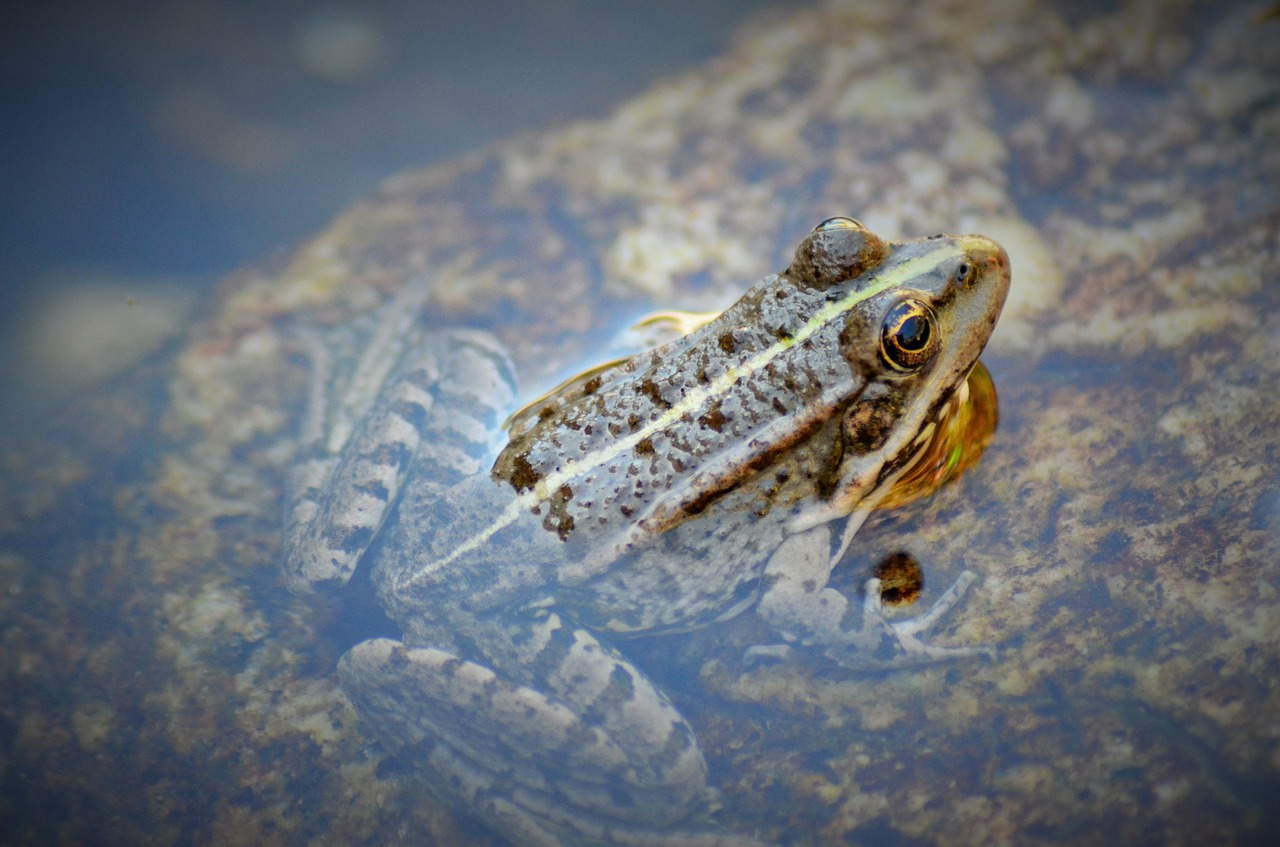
column 525, row 760
column 921, row 624
column 766, row 654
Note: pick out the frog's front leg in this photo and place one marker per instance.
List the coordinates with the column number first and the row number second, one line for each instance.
column 798, row 603
column 573, row 746
column 449, row 389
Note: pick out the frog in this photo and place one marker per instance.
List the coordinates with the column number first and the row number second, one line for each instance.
column 725, row 470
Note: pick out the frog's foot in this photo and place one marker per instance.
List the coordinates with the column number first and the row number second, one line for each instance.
column 799, row 605
column 903, row 640
column 546, row 771
column 437, row 413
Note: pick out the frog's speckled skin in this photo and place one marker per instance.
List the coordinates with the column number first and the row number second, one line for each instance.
column 159, row 688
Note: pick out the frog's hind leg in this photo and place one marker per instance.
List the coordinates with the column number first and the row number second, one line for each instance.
column 450, row 390
column 583, row 749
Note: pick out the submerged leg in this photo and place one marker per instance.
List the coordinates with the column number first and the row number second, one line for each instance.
column 450, row 391
column 577, row 747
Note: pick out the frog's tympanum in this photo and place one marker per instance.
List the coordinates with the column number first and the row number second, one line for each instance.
column 671, row 491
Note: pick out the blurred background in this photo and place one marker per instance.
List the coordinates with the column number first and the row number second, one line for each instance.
column 148, row 148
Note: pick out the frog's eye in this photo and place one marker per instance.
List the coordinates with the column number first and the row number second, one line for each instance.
column 838, row 222
column 964, row 275
column 909, row 335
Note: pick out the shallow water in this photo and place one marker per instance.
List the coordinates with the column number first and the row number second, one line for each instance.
column 161, row 686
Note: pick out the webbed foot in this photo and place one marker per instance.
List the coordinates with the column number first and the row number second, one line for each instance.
column 798, row 604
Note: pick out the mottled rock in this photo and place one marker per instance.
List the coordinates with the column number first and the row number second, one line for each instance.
column 161, row 686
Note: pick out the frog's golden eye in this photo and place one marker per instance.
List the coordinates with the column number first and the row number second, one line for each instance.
column 965, row 274
column 838, row 222
column 909, row 335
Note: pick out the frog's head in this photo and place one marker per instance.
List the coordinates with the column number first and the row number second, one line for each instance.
column 918, row 314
